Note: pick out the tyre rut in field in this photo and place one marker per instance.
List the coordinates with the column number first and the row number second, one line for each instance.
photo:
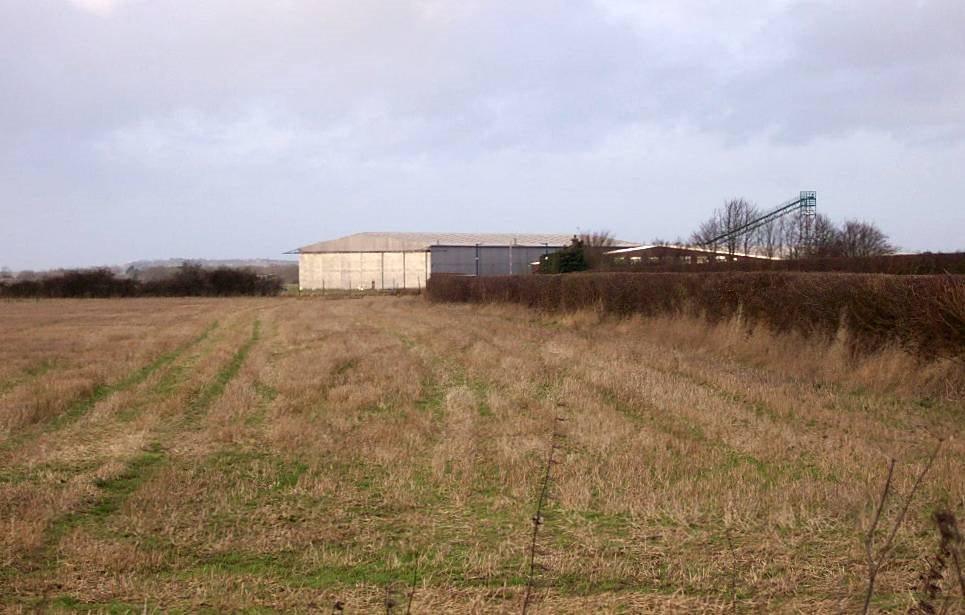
column 119, row 423
column 447, row 344
column 113, row 492
column 638, row 410
column 213, row 390
column 644, row 414
column 813, row 410
column 649, row 413
column 84, row 405
column 761, row 469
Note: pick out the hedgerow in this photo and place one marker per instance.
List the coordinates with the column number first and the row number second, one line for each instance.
column 925, row 314
column 927, row 263
column 186, row 281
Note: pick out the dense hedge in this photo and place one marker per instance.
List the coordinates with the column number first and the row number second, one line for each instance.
column 186, row 281
column 923, row 313
column 897, row 264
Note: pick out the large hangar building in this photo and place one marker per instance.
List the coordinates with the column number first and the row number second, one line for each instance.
column 407, row 260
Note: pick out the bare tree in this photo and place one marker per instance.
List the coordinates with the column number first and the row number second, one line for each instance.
column 707, row 231
column 769, row 238
column 800, row 242
column 597, row 239
column 825, row 238
column 734, row 214
column 857, row 238
column 787, row 227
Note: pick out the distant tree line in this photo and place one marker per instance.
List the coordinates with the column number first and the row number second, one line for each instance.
column 189, row 280
column 786, row 237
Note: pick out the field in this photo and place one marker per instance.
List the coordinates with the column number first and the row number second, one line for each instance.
column 280, row 455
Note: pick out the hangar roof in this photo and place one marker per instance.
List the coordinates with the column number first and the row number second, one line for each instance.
column 394, row 242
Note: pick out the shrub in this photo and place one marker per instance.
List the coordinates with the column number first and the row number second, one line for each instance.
column 925, row 314
column 569, row 259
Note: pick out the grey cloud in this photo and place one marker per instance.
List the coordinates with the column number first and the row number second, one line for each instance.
column 506, row 73
column 159, row 111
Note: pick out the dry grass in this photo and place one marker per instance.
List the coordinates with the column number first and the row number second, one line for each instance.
column 304, row 452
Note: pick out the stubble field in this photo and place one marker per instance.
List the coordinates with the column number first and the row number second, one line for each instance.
column 263, row 455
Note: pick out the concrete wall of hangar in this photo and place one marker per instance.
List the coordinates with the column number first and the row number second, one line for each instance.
column 411, row 269
column 363, row 270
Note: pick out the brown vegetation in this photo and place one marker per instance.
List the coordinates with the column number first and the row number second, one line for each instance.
column 303, row 453
column 924, row 314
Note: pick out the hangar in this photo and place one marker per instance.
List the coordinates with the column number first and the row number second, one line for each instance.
column 407, row 260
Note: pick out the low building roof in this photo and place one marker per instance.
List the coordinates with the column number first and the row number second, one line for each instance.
column 635, row 250
column 419, row 242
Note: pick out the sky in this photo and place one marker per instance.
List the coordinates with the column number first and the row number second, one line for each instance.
column 142, row 129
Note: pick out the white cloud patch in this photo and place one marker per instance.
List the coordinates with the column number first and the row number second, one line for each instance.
column 103, row 8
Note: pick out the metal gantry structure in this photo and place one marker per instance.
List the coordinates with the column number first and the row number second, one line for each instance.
column 806, row 203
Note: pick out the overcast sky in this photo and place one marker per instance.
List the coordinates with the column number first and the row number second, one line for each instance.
column 137, row 129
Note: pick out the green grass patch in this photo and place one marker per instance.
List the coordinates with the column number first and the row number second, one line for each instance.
column 114, row 490
column 480, row 389
column 432, row 398
column 273, row 474
column 288, row 475
column 112, row 494
column 73, row 605
column 266, row 394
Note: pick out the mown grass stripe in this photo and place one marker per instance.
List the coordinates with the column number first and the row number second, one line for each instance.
column 136, row 377
column 113, row 492
column 216, row 387
column 84, row 405
column 165, row 385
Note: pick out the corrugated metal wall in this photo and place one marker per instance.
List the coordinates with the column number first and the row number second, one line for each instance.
column 493, row 260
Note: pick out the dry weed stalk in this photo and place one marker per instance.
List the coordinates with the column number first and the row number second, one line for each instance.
column 411, row 596
column 733, row 570
column 948, row 550
column 876, row 562
column 540, row 504
column 389, row 600
column 396, row 591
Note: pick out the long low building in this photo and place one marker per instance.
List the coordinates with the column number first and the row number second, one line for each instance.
column 663, row 254
column 407, row 260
